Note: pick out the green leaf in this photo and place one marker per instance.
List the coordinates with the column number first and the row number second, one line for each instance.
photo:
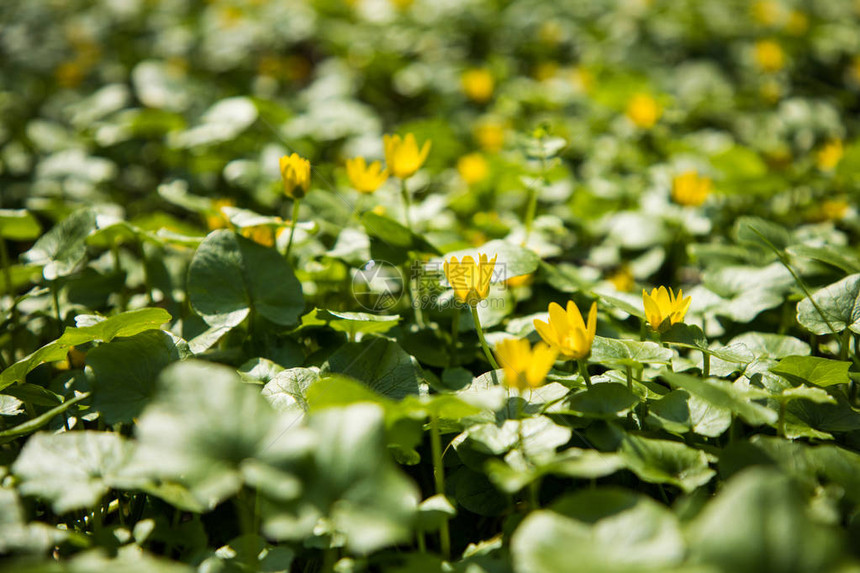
column 664, row 461
column 126, row 369
column 375, row 503
column 34, row 424
column 680, row 412
column 758, row 522
column 621, row 353
column 287, row 389
column 769, row 345
column 726, row 396
column 597, row 531
column 512, row 261
column 351, row 322
column 391, row 241
column 63, row 248
column 756, row 231
column 97, row 328
column 434, row 511
column 379, row 363
column 18, row 225
column 231, row 275
column 817, row 395
column 72, row 470
column 607, row 401
column 202, row 425
column 840, row 305
column 813, row 370
column 842, row 258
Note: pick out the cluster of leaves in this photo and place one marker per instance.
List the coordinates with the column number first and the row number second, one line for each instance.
column 176, row 394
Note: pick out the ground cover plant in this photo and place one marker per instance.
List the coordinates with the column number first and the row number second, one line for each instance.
column 400, row 285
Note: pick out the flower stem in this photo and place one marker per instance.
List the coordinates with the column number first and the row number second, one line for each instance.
column 296, row 204
column 583, row 369
column 407, row 203
column 439, row 479
column 480, row 332
column 630, row 378
column 706, row 364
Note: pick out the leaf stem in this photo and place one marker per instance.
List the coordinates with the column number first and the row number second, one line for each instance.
column 295, row 220
column 706, row 364
column 407, row 203
column 583, row 369
column 480, row 332
column 439, row 479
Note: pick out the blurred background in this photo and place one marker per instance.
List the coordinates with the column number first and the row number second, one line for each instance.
column 103, row 101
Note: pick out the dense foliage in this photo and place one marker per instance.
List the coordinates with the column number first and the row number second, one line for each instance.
column 230, row 340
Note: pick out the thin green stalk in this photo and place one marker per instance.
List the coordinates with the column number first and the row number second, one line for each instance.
column 630, row 378
column 55, row 293
column 480, row 332
column 706, row 364
column 845, row 344
column 293, row 223
column 780, row 424
column 422, row 543
column 407, row 203
column 583, row 369
column 784, row 260
column 439, row 479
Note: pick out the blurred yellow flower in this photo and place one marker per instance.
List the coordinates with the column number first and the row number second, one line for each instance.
column 470, row 280
column 663, row 308
column 260, row 234
column 521, row 280
column 834, row 209
column 622, row 279
column 401, row 4
column 581, row 79
column 478, row 84
column 215, row 219
column 854, row 69
column 363, row 177
column 690, row 189
column 766, row 12
column 567, row 332
column 798, row 23
column 525, row 367
column 829, row 156
column 643, row 110
column 490, row 136
column 473, row 168
column 296, row 175
column 769, row 56
column 402, row 155
column 380, row 210
column 546, row 71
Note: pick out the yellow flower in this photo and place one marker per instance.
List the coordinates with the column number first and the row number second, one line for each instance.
column 524, row 366
column 216, row 219
column 521, row 280
column 622, row 279
column 402, row 155
column 363, row 177
column 766, row 12
column 690, row 189
column 473, row 168
column 769, row 55
column 478, row 84
column 798, row 23
column 567, row 332
column 260, row 234
column 643, row 110
column 470, row 280
column 834, row 209
column 490, row 136
column 663, row 308
column 830, row 155
column 296, row 174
